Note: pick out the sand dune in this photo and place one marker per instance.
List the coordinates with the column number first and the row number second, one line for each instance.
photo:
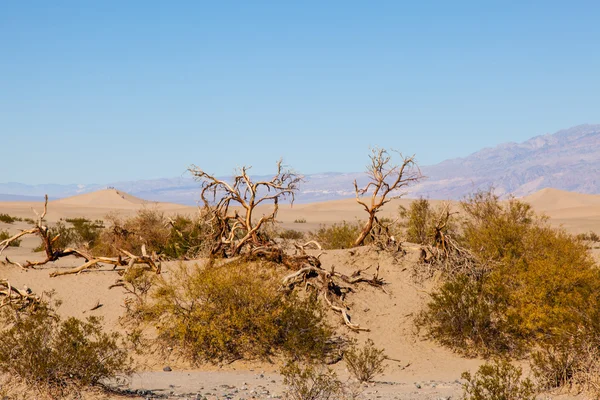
column 102, row 198
column 554, row 199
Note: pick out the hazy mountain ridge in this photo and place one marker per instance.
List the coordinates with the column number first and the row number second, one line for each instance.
column 567, row 160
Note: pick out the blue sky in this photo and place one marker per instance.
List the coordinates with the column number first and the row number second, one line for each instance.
column 102, row 91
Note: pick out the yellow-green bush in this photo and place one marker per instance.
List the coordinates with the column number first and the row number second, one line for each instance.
column 529, row 281
column 5, row 235
column 338, row 236
column 234, row 310
column 366, row 362
column 9, row 219
column 498, row 380
column 57, row 356
column 310, row 382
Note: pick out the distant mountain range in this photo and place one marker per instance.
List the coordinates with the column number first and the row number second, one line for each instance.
column 567, row 160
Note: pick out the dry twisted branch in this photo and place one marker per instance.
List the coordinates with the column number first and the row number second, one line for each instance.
column 238, row 230
column 53, row 254
column 10, row 295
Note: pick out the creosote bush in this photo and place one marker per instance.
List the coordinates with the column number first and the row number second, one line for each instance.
column 9, row 219
column 5, row 235
column 338, row 235
column 217, row 313
column 57, row 356
column 499, row 380
column 291, row 234
column 420, row 221
column 74, row 232
column 310, row 382
column 366, row 362
column 589, row 236
column 528, row 280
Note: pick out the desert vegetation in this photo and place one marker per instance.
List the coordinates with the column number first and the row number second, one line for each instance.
column 507, row 286
column 9, row 219
column 51, row 357
column 387, row 180
column 512, row 289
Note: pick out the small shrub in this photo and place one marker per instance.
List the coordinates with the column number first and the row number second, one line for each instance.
column 149, row 228
column 5, row 235
column 310, row 382
column 291, row 234
column 63, row 236
column 366, row 362
column 497, row 381
column 418, row 221
column 300, row 221
column 589, row 237
column 29, row 221
column 43, row 351
column 8, row 219
column 338, row 236
column 235, row 310
column 186, row 238
column 464, row 315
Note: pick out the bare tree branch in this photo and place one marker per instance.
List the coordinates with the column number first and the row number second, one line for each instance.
column 387, row 180
column 239, row 230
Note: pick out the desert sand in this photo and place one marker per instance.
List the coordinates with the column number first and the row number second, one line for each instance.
column 422, row 370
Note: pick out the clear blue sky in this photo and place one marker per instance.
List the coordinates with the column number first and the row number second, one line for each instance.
column 102, row 91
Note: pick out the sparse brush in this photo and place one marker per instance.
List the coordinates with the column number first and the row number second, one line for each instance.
column 57, row 356
column 338, row 236
column 499, row 380
column 310, row 382
column 366, row 362
column 9, row 219
column 5, row 235
column 300, row 221
column 589, row 237
column 291, row 234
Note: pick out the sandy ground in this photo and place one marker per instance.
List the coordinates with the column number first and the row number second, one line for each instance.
column 424, row 370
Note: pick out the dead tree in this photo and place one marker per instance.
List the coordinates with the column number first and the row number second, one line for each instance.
column 52, row 254
column 236, row 230
column 386, row 180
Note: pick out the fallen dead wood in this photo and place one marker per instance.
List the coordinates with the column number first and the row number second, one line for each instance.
column 329, row 284
column 10, row 295
column 53, row 254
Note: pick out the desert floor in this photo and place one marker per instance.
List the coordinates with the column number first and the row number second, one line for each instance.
column 423, row 370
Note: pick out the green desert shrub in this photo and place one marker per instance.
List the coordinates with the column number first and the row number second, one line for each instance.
column 528, row 282
column 5, row 235
column 366, row 362
column 9, row 219
column 40, row 349
column 571, row 358
column 234, row 310
column 499, row 380
column 338, row 236
column 186, row 238
column 310, row 382
column 149, row 228
column 464, row 316
column 301, row 220
column 79, row 233
column 589, row 236
column 418, row 221
column 291, row 234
